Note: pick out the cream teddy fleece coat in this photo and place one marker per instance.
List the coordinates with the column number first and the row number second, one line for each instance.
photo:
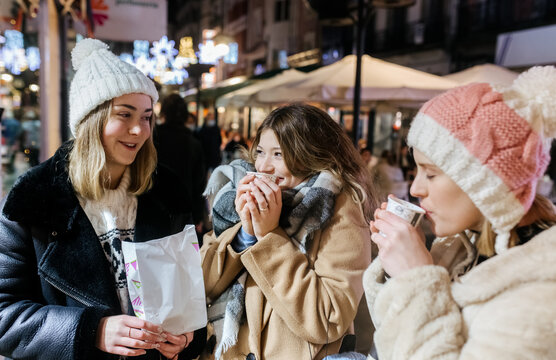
column 504, row 308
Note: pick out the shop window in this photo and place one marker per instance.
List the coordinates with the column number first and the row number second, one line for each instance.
column 281, row 10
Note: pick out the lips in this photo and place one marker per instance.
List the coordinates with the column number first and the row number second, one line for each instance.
column 129, row 145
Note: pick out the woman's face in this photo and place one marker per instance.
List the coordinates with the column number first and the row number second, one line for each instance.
column 270, row 160
column 448, row 208
column 127, row 129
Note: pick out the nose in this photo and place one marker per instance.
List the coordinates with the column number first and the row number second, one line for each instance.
column 266, row 165
column 418, row 187
column 135, row 129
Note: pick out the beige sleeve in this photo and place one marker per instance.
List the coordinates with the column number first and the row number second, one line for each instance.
column 220, row 262
column 318, row 302
column 414, row 314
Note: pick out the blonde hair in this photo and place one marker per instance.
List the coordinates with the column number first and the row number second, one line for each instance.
column 312, row 142
column 87, row 159
column 541, row 213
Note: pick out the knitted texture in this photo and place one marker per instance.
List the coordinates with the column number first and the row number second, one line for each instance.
column 113, row 219
column 493, row 144
column 100, row 76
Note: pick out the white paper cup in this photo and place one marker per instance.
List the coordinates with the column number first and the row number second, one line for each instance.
column 260, row 175
column 406, row 210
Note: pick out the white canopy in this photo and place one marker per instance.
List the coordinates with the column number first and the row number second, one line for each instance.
column 380, row 80
column 246, row 96
column 489, row 73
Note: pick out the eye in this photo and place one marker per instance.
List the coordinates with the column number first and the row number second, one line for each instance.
column 147, row 118
column 430, row 177
column 277, row 154
column 124, row 114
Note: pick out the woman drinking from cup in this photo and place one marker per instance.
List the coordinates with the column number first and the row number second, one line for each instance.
column 486, row 289
column 285, row 261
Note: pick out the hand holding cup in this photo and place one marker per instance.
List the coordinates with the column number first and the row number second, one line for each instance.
column 401, row 244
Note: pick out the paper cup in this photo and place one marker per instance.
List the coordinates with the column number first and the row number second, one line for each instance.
column 406, row 210
column 260, row 175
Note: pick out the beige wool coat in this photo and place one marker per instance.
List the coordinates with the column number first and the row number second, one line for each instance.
column 504, row 308
column 297, row 306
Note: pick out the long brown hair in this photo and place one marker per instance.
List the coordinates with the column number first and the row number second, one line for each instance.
column 541, row 213
column 311, row 142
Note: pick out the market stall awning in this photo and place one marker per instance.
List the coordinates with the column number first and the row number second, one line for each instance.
column 489, row 73
column 246, row 96
column 380, row 81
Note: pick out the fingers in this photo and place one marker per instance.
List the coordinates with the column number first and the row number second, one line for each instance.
column 262, row 201
column 175, row 344
column 246, row 179
column 124, row 335
column 135, row 322
column 266, row 192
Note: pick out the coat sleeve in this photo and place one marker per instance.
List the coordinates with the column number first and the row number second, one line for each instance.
column 318, row 301
column 29, row 327
column 220, row 263
column 416, row 317
column 414, row 314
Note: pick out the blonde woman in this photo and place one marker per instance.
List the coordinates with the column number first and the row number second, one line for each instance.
column 63, row 293
column 486, row 289
column 283, row 266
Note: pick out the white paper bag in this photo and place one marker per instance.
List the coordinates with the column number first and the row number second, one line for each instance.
column 165, row 281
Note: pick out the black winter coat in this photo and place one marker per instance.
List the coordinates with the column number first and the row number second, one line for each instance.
column 55, row 280
column 181, row 152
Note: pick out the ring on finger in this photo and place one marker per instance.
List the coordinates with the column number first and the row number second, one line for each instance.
column 263, row 209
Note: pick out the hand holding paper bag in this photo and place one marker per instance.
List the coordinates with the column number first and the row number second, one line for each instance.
column 165, row 281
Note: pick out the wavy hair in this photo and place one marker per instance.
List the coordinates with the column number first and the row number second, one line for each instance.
column 311, row 142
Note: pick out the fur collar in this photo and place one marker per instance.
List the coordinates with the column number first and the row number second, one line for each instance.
column 44, row 196
column 532, row 261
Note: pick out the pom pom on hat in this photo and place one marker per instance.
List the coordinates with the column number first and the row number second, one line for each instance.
column 84, row 49
column 101, row 76
column 533, row 96
column 493, row 143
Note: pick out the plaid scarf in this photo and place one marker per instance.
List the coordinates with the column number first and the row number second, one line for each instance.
column 305, row 209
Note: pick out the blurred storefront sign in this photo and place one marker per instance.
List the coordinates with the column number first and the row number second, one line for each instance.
column 526, row 47
column 119, row 19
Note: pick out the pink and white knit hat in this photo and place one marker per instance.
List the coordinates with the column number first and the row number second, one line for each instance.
column 493, row 142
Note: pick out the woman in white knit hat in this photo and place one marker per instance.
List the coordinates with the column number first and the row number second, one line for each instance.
column 63, row 291
column 487, row 287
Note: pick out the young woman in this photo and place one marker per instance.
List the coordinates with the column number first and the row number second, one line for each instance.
column 486, row 289
column 284, row 263
column 63, row 293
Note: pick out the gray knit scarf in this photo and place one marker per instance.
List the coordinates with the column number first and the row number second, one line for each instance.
column 305, row 209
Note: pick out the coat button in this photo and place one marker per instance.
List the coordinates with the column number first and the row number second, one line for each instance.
column 250, row 357
column 54, row 233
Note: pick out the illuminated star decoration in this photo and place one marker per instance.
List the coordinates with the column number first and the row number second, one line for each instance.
column 33, row 58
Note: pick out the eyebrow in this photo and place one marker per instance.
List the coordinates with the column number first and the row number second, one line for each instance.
column 274, row 148
column 131, row 107
column 428, row 166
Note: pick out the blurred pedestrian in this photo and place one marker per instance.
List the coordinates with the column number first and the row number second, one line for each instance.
column 283, row 265
column 368, row 158
column 210, row 138
column 389, row 176
column 486, row 289
column 63, row 293
column 181, row 152
column 233, row 149
column 11, row 130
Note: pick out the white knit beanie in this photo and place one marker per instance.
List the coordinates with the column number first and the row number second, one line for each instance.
column 493, row 142
column 100, row 76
